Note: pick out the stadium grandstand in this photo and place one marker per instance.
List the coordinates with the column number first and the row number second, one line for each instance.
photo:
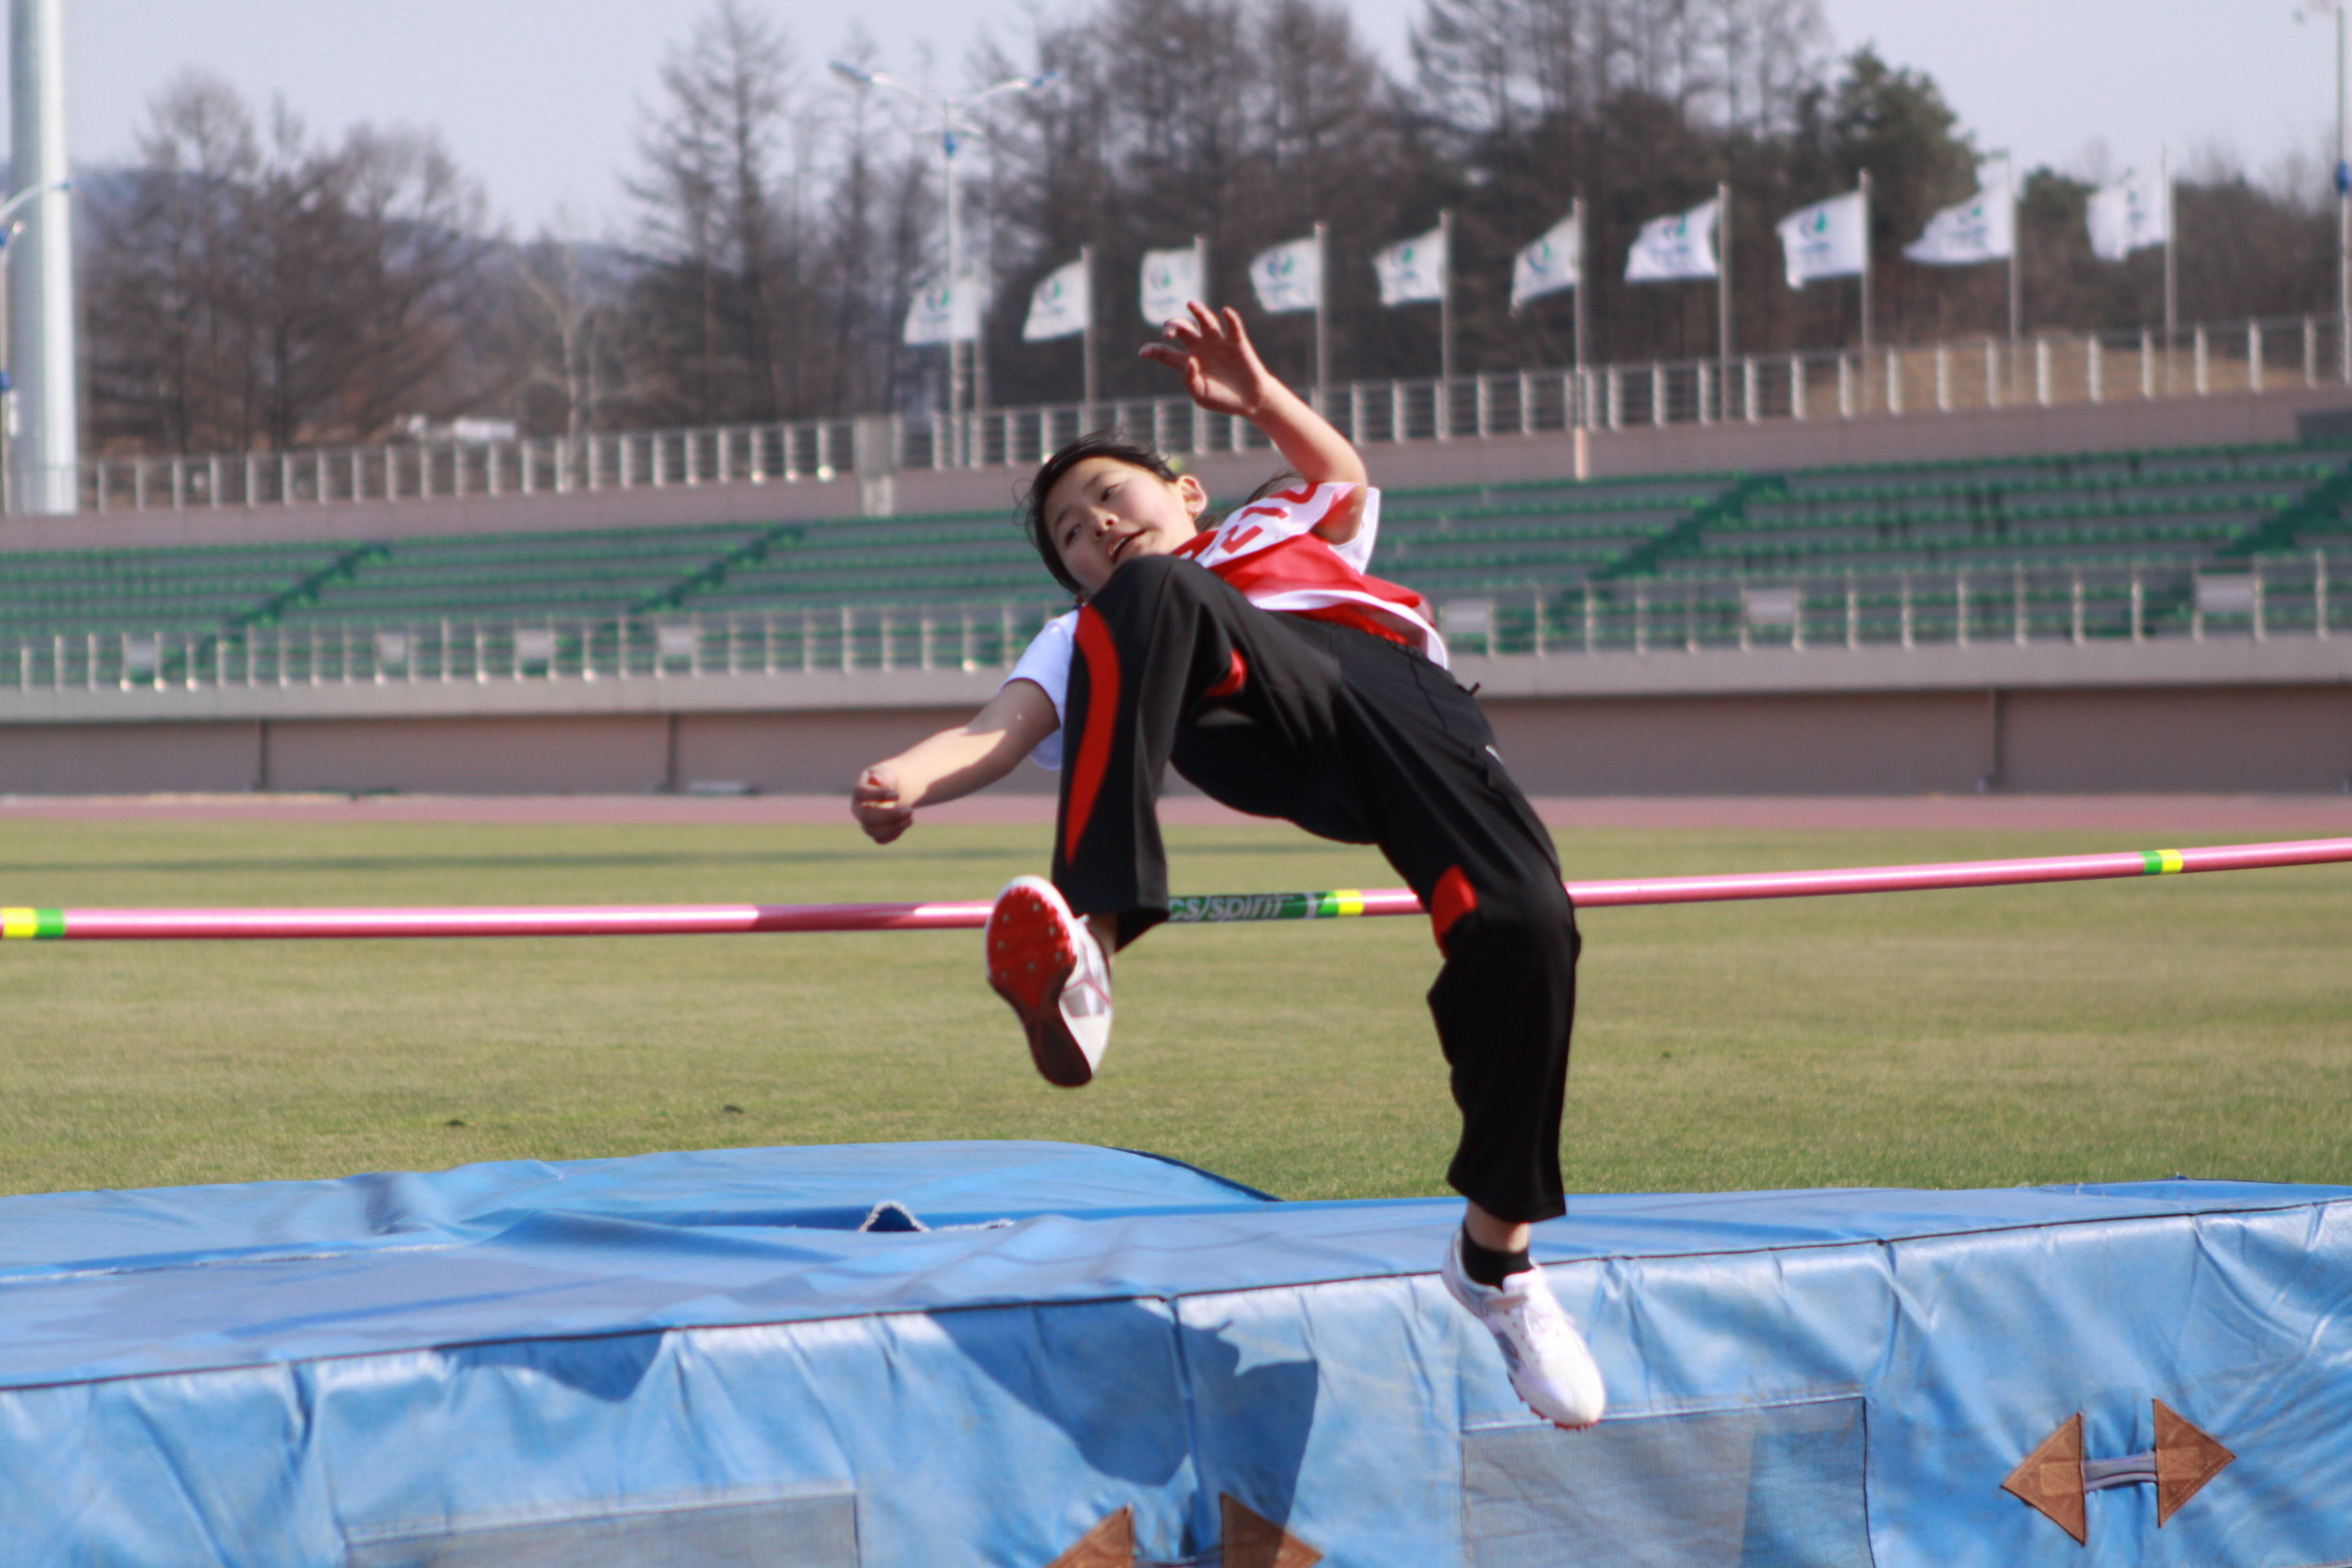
column 728, row 623
column 1744, row 551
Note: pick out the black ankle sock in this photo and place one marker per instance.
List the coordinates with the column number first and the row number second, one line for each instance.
column 1488, row 1266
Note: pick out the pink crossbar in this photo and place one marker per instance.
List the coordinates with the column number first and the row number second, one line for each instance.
column 703, row 920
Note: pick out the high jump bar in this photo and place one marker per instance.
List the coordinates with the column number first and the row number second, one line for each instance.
column 703, row 920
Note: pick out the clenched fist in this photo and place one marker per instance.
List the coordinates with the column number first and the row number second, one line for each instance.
column 875, row 803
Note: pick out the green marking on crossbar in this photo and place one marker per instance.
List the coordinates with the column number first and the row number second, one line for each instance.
column 2159, row 862
column 1217, row 909
column 31, row 923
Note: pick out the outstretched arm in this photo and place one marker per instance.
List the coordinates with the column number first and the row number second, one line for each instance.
column 955, row 763
column 1224, row 375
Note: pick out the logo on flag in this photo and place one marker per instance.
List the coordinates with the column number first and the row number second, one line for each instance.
column 1412, row 269
column 1830, row 238
column 1678, row 247
column 1549, row 266
column 1288, row 277
column 1980, row 229
column 2134, row 212
column 944, row 312
column 1062, row 306
column 1171, row 280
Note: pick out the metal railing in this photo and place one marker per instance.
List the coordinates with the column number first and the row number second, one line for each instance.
column 2286, row 594
column 323, row 652
column 2050, row 369
column 2304, row 594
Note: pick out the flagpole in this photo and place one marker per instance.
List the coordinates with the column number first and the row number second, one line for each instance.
column 1322, row 313
column 1581, row 405
column 2016, row 243
column 2172, row 276
column 1869, row 259
column 1445, row 357
column 1583, row 249
column 1201, row 266
column 1723, row 294
column 1087, row 338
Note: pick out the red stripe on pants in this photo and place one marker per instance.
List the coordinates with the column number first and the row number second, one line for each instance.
column 1455, row 899
column 1236, row 673
column 1102, row 719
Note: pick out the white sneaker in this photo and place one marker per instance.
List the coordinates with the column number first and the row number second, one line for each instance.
column 1044, row 960
column 1549, row 1363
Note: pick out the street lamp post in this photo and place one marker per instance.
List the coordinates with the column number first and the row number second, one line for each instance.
column 2343, row 182
column 10, row 226
column 2343, row 185
column 955, row 123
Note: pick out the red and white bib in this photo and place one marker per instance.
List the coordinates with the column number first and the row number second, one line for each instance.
column 1270, row 552
column 1268, row 549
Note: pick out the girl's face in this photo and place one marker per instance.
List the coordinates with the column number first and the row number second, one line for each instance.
column 1104, row 512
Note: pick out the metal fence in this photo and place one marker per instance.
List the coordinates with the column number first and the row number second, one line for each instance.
column 322, row 652
column 2050, row 369
column 2302, row 594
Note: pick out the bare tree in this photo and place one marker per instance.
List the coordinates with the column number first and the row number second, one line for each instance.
column 252, row 291
column 563, row 336
column 708, row 198
column 169, row 280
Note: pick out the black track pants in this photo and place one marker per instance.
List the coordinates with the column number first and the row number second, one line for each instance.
column 1355, row 738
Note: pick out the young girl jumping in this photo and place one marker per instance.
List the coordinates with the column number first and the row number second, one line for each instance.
column 1260, row 660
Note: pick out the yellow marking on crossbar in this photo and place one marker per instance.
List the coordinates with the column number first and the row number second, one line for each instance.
column 22, row 923
column 1349, row 900
column 2167, row 862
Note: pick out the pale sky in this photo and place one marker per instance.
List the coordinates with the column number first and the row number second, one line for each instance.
column 538, row 99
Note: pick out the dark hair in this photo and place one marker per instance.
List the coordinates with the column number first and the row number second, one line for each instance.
column 1116, row 444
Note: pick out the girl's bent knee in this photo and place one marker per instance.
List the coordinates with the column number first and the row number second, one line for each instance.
column 1526, row 928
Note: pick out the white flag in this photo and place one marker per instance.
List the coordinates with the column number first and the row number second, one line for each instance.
column 1549, row 266
column 1981, row 229
column 1830, row 238
column 1680, row 246
column 946, row 313
column 1412, row 269
column 1288, row 277
column 2134, row 212
column 1171, row 281
column 1062, row 306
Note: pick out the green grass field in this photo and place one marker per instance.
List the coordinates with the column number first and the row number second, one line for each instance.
column 2092, row 1031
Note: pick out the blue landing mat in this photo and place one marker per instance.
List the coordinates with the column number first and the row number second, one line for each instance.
column 702, row 1358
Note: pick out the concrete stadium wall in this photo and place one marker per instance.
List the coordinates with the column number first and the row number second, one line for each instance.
column 2263, row 740
column 2211, row 738
column 1674, row 448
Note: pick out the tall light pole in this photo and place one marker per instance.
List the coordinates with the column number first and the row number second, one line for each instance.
column 954, row 125
column 2343, row 185
column 45, row 464
column 10, row 226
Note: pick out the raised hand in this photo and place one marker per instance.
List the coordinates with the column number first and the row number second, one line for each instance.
column 1220, row 368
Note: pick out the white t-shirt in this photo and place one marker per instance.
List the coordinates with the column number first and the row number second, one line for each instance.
column 1270, row 550
column 1047, row 663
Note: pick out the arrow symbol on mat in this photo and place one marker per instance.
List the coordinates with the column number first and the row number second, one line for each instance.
column 1252, row 1541
column 2057, row 1477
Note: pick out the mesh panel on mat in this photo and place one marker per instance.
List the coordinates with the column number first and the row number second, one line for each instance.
column 784, row 1532
column 1771, row 1487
